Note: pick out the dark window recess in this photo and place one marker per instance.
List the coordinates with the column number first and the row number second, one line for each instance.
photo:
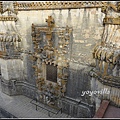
column 51, row 73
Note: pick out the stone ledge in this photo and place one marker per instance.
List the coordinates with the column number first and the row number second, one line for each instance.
column 106, row 80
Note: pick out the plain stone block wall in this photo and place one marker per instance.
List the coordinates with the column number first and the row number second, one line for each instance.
column 79, row 80
column 11, row 72
column 15, row 69
column 4, row 69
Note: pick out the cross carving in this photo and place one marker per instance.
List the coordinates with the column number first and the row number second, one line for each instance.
column 50, row 21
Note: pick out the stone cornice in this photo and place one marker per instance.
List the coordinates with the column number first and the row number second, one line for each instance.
column 18, row 6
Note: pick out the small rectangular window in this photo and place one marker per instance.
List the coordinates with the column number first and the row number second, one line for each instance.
column 51, row 73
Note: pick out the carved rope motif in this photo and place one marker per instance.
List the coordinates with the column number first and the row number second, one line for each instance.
column 57, row 5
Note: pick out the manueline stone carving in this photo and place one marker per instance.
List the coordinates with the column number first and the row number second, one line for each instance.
column 107, row 53
column 51, row 54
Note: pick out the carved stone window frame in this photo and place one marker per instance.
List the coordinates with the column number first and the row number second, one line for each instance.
column 60, row 57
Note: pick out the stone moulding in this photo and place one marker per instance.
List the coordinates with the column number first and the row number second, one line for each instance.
column 18, row 6
column 8, row 18
column 113, row 21
column 112, row 81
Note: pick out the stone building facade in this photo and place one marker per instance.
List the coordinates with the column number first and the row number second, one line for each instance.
column 53, row 52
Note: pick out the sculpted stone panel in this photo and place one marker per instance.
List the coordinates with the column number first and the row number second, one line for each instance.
column 107, row 52
column 52, row 51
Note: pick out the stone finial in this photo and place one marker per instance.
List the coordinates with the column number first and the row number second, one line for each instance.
column 50, row 21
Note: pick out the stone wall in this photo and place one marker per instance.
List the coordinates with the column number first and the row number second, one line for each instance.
column 87, row 30
column 11, row 73
column 12, row 69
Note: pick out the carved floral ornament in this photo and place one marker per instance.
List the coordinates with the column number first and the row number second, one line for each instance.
column 51, row 54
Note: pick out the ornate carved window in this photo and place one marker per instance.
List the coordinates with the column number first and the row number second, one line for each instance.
column 51, row 58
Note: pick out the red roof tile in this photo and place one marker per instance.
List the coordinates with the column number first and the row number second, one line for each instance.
column 101, row 110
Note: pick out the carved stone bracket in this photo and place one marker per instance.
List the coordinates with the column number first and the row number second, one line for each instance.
column 107, row 56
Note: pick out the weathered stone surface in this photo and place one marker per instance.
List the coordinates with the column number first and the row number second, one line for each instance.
column 87, row 24
column 78, row 81
column 76, row 110
column 12, row 69
column 4, row 70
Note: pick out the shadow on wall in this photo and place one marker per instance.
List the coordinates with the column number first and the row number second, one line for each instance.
column 79, row 80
